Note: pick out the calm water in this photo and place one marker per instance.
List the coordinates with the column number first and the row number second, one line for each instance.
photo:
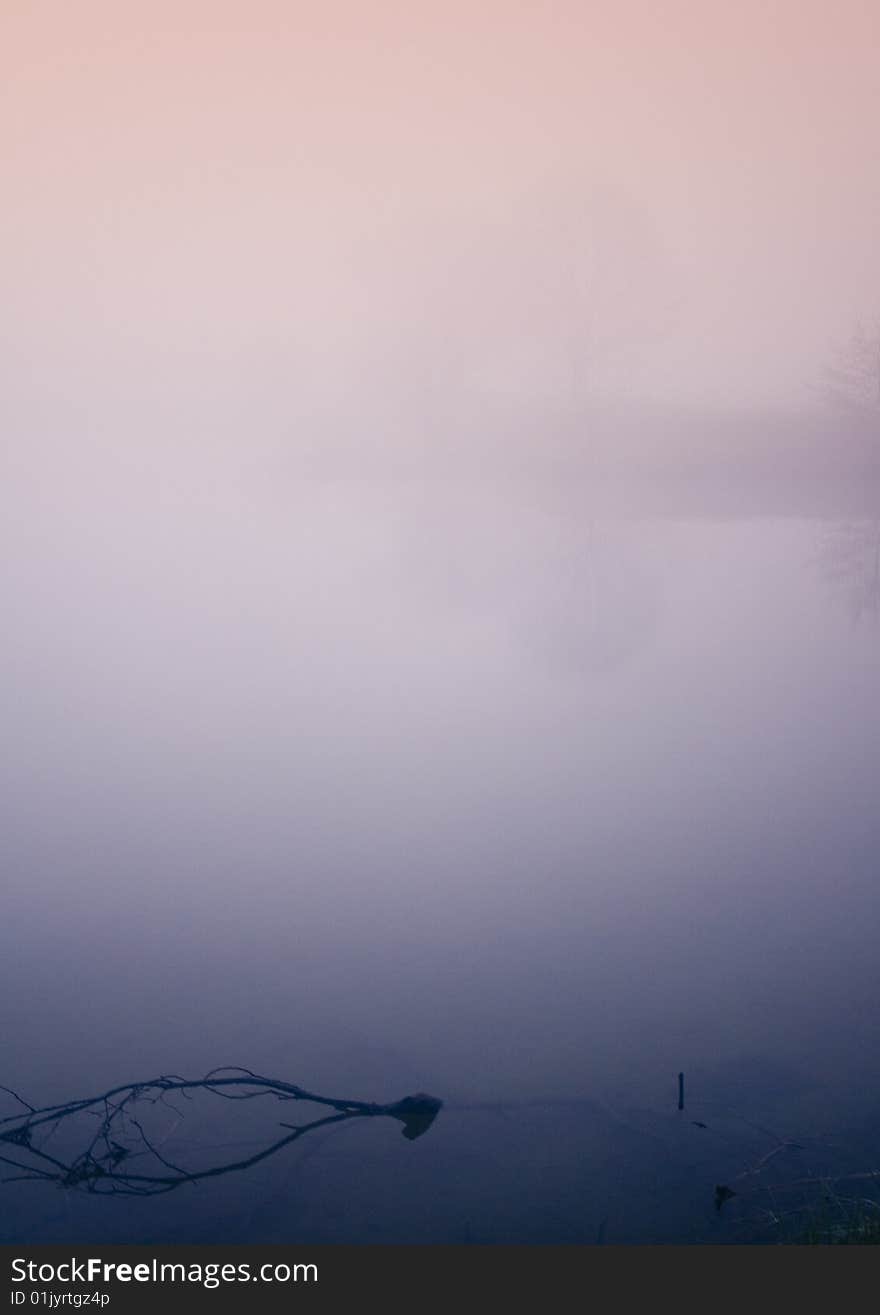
column 383, row 790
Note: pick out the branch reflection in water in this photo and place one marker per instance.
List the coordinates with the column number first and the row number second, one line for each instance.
column 119, row 1155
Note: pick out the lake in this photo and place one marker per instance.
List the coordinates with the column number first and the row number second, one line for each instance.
column 457, row 788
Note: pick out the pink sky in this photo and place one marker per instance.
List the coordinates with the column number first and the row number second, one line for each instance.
column 300, row 192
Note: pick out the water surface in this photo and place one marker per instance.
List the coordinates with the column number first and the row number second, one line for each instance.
column 383, row 788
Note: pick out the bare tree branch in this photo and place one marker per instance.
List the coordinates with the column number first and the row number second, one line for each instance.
column 102, row 1165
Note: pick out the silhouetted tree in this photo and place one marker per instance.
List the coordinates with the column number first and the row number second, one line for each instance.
column 853, row 378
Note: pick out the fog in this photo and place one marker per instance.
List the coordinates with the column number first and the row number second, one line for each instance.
column 269, row 212
column 441, row 595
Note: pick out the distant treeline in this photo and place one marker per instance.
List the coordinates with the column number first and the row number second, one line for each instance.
column 643, row 459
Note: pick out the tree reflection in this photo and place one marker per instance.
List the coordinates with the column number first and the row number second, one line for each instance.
column 849, row 559
column 597, row 607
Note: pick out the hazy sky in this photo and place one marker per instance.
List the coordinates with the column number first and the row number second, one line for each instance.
column 290, row 205
column 453, row 767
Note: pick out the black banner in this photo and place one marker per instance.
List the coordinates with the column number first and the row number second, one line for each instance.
column 133, row 1279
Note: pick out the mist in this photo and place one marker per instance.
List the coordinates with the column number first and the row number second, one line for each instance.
column 441, row 480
